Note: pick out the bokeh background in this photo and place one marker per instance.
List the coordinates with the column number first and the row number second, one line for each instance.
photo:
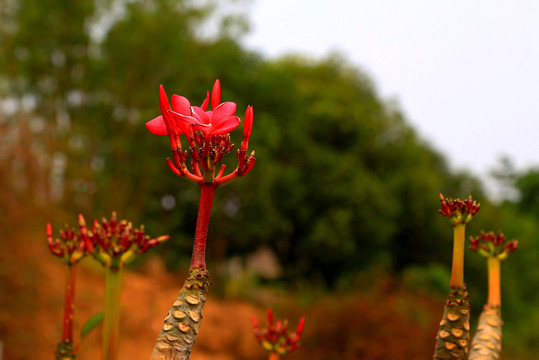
column 337, row 221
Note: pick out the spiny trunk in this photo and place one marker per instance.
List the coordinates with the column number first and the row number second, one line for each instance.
column 180, row 328
column 454, row 333
column 487, row 342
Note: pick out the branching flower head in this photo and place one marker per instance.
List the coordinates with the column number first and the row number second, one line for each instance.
column 116, row 243
column 493, row 245
column 70, row 247
column 458, row 211
column 207, row 134
column 276, row 338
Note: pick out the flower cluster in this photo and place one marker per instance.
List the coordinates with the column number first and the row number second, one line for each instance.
column 207, row 133
column 69, row 247
column 114, row 244
column 458, row 211
column 276, row 338
column 493, row 245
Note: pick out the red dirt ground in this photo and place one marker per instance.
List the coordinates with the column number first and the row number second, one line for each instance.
column 384, row 323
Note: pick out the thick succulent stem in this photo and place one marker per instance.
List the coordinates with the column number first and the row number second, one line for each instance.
column 111, row 320
column 457, row 270
column 487, row 342
column 65, row 348
column 181, row 326
column 207, row 191
column 454, row 333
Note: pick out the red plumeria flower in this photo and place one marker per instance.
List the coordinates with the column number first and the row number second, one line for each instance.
column 217, row 122
column 493, row 245
column 207, row 132
column 276, row 338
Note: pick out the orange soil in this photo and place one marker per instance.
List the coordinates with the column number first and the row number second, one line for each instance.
column 386, row 323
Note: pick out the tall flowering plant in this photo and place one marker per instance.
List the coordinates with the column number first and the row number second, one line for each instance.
column 453, row 336
column 487, row 342
column 206, row 140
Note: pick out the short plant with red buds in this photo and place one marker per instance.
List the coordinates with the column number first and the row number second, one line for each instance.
column 453, row 334
column 276, row 338
column 71, row 249
column 487, row 342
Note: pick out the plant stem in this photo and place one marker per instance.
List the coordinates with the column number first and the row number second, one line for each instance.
column 207, row 191
column 457, row 271
column 494, row 296
column 65, row 349
column 111, row 321
column 69, row 304
column 273, row 356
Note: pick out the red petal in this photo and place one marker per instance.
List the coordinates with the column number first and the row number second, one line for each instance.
column 222, row 112
column 204, row 105
column 248, row 122
column 300, row 326
column 216, row 95
column 225, row 126
column 203, row 116
column 163, row 99
column 181, row 105
column 157, row 126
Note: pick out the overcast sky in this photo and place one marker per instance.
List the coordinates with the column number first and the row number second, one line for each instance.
column 466, row 73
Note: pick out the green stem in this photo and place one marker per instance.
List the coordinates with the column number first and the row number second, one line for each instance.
column 111, row 321
column 494, row 295
column 457, row 270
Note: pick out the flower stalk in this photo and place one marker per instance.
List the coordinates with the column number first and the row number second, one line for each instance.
column 494, row 291
column 457, row 269
column 207, row 192
column 69, row 304
column 112, row 313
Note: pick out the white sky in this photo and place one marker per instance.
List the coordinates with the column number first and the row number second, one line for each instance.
column 466, row 73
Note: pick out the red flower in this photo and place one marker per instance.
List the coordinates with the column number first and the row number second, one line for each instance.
column 182, row 115
column 207, row 133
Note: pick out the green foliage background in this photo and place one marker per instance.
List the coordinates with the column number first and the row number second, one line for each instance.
column 343, row 184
